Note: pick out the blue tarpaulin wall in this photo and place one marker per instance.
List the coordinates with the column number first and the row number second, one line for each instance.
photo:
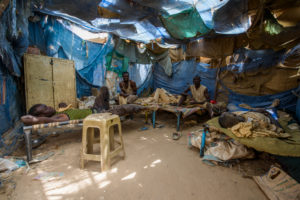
column 10, row 101
column 13, row 43
column 288, row 101
column 55, row 39
column 182, row 77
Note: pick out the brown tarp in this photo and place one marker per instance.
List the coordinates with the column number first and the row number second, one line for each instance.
column 261, row 82
column 210, row 48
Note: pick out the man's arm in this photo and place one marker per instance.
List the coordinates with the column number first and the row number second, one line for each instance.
column 183, row 96
column 31, row 120
column 206, row 94
column 123, row 92
column 185, row 93
column 133, row 86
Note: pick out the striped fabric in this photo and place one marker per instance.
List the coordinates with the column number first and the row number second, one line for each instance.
column 53, row 124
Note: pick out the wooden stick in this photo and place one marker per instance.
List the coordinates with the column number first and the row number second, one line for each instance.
column 217, row 79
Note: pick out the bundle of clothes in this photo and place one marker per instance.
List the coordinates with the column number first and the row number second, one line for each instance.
column 219, row 147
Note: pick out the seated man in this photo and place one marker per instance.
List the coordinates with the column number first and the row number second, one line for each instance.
column 40, row 113
column 199, row 93
column 128, row 90
column 200, row 96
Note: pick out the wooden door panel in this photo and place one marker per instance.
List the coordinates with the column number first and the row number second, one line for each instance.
column 64, row 82
column 38, row 80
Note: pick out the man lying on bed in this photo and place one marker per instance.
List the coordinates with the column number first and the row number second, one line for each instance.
column 41, row 113
column 254, row 122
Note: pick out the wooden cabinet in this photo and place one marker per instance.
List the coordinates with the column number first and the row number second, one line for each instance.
column 49, row 81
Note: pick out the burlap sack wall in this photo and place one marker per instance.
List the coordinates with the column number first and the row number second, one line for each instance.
column 261, row 82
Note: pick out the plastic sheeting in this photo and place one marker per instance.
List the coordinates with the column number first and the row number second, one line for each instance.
column 212, row 12
column 288, row 101
column 145, row 25
column 186, row 24
column 74, row 7
column 13, row 36
column 183, row 73
column 10, row 101
column 244, row 60
column 13, row 43
column 217, row 15
column 142, row 75
column 55, row 37
column 136, row 30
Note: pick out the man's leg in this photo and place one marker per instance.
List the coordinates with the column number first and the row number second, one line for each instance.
column 126, row 109
column 209, row 109
column 131, row 99
column 156, row 95
column 122, row 100
column 182, row 99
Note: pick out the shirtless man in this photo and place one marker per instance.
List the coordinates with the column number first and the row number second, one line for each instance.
column 128, row 90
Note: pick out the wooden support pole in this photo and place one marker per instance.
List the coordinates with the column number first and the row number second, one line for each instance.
column 218, row 79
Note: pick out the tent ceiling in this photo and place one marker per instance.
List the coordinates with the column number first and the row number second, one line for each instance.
column 82, row 9
column 149, row 20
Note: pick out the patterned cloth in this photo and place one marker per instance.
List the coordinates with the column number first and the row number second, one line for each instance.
column 53, row 124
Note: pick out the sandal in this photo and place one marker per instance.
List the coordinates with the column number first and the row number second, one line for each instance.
column 176, row 136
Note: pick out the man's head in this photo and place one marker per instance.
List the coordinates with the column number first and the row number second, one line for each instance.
column 197, row 81
column 41, row 110
column 125, row 76
column 228, row 120
column 62, row 105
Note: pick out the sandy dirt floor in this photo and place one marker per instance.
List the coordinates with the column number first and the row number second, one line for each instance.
column 155, row 167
